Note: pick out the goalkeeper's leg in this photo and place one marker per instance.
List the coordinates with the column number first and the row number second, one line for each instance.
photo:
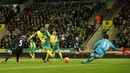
column 90, row 59
column 97, row 54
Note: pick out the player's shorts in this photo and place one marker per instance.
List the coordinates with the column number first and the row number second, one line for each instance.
column 98, row 52
column 55, row 46
column 46, row 45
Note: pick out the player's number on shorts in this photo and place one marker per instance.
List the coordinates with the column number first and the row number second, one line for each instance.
column 105, row 45
column 20, row 42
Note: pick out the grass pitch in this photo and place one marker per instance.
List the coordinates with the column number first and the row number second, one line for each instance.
column 58, row 66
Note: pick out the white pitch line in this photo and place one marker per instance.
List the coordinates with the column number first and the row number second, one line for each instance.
column 40, row 67
column 59, row 66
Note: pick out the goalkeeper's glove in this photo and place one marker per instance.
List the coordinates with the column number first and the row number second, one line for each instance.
column 122, row 49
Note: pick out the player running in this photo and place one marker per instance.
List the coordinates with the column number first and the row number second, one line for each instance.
column 55, row 44
column 100, row 48
column 44, row 36
column 32, row 49
column 17, row 46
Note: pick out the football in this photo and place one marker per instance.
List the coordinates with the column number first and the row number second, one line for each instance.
column 66, row 59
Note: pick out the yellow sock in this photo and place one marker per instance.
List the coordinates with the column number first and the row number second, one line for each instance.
column 31, row 55
column 54, row 54
column 50, row 53
column 34, row 56
column 60, row 54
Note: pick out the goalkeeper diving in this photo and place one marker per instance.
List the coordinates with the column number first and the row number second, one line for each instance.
column 100, row 47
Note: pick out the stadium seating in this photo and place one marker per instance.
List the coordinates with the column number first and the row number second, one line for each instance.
column 5, row 13
column 122, row 22
column 68, row 19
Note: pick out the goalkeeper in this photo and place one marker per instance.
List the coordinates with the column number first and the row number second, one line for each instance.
column 100, row 47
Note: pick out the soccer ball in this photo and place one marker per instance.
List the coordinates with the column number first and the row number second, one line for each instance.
column 66, row 59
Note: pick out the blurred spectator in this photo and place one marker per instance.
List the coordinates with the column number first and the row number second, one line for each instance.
column 123, row 35
column 18, row 8
column 116, row 21
column 98, row 19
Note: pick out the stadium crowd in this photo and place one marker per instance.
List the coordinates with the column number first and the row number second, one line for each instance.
column 68, row 19
column 7, row 12
column 122, row 23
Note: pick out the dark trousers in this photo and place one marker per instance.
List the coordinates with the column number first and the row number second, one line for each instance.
column 13, row 52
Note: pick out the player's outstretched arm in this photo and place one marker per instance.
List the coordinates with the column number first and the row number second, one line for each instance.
column 118, row 49
column 48, row 33
column 34, row 35
column 115, row 48
column 31, row 36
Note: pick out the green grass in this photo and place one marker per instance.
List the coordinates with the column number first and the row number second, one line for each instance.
column 58, row 66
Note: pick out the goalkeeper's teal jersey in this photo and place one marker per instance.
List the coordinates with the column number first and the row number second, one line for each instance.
column 105, row 45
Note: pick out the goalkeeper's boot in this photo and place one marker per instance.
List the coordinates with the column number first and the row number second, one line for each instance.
column 83, row 62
